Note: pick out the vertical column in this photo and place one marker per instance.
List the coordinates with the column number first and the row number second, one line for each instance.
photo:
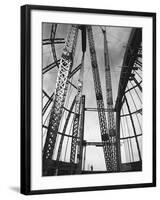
column 81, row 135
column 118, row 149
column 65, row 66
column 110, row 114
column 107, row 145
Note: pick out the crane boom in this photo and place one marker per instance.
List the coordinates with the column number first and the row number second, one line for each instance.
column 77, row 113
column 100, row 102
column 77, row 123
column 65, row 67
column 110, row 114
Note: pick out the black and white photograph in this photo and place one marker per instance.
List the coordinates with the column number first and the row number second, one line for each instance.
column 80, row 100
column 88, row 99
column 92, row 105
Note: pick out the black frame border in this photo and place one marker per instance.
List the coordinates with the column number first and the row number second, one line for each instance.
column 25, row 182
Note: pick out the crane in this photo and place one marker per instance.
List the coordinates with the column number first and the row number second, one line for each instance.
column 65, row 66
column 78, row 117
column 76, row 124
column 110, row 114
column 72, row 146
column 107, row 148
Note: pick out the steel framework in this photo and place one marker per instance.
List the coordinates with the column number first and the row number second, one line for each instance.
column 110, row 114
column 107, row 145
column 131, row 63
column 78, row 122
column 65, row 67
column 109, row 128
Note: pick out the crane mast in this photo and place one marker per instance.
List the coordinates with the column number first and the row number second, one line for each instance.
column 77, row 123
column 110, row 114
column 107, row 148
column 65, row 67
column 76, row 120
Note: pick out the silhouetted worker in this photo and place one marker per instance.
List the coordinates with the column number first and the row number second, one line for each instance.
column 91, row 167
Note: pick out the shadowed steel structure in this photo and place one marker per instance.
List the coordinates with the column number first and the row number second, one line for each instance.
column 64, row 114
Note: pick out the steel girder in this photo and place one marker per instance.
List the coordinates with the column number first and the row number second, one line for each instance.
column 65, row 67
column 110, row 114
column 76, row 122
column 107, row 147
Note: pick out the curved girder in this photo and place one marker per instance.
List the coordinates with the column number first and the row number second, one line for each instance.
column 130, row 57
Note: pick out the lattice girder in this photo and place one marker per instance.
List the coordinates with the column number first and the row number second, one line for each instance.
column 76, row 122
column 110, row 114
column 65, row 67
column 107, row 147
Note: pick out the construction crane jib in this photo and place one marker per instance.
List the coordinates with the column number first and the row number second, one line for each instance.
column 76, row 132
column 65, row 66
column 110, row 113
column 107, row 147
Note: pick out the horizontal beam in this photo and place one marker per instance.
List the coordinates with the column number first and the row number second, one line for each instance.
column 48, row 43
column 137, row 111
column 54, row 41
column 71, row 136
column 96, row 109
column 129, row 137
column 97, row 144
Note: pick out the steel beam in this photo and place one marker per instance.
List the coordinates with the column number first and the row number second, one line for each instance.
column 129, row 60
column 118, row 146
column 50, row 66
column 96, row 110
column 125, row 138
column 133, row 87
column 135, row 112
column 64, row 130
column 51, row 41
column 62, row 134
column 109, row 99
column 81, row 135
column 45, row 93
column 134, row 129
column 65, row 66
column 75, row 70
column 137, row 83
column 77, row 121
column 107, row 148
column 47, row 104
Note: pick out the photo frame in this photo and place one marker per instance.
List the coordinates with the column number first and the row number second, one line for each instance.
column 113, row 46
